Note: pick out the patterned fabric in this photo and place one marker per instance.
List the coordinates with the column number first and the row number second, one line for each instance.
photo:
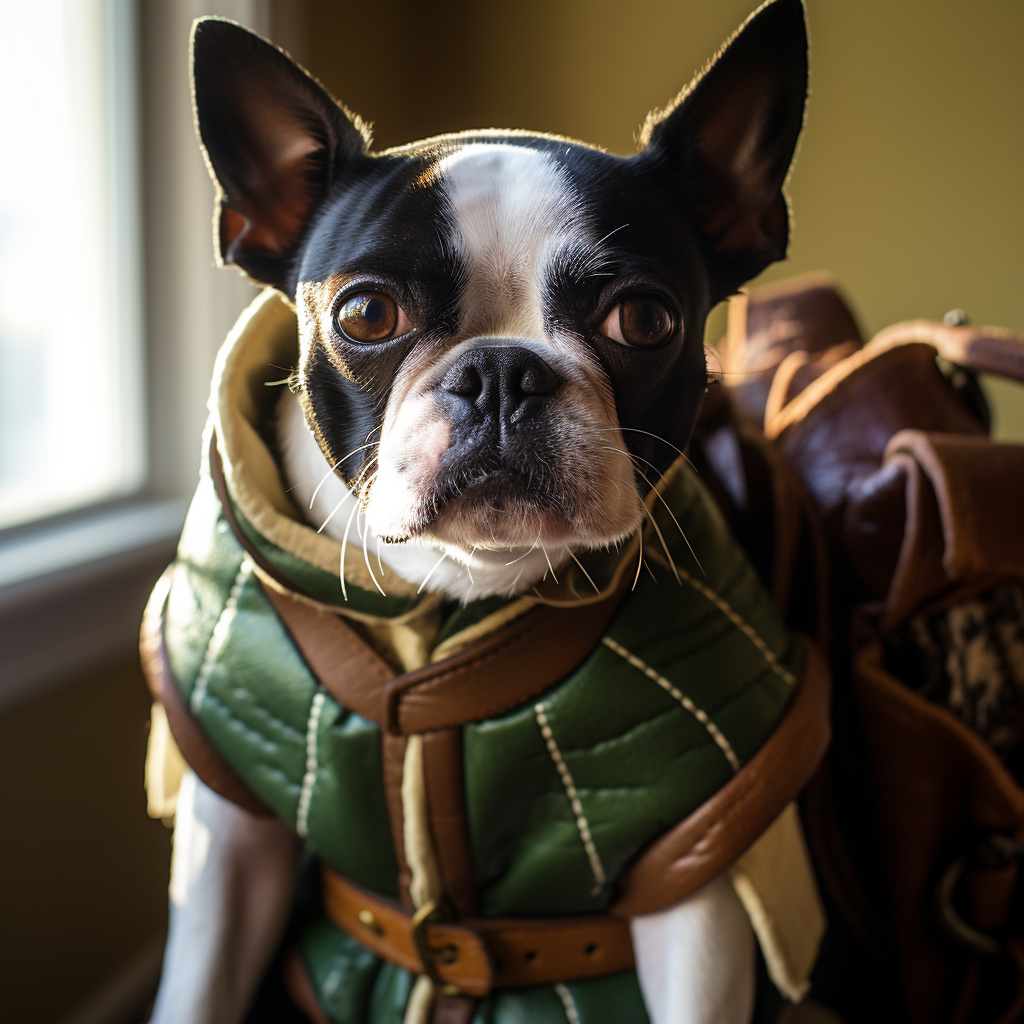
column 969, row 657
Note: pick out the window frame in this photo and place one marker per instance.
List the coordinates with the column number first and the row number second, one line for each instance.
column 73, row 584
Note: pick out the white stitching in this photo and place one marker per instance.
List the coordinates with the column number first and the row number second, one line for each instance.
column 574, row 798
column 715, row 733
column 219, row 635
column 568, row 1002
column 309, row 779
column 723, row 606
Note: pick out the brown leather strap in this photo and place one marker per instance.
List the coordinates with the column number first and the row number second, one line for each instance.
column 479, row 954
column 504, row 670
column 347, row 667
column 713, row 836
column 984, row 349
column 202, row 756
column 979, row 485
column 446, row 812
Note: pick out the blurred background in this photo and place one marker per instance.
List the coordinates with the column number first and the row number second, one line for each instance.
column 907, row 186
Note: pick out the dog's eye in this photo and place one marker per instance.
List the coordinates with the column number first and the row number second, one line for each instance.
column 371, row 316
column 640, row 321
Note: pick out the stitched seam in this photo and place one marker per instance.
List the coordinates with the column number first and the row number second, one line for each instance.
column 741, row 624
column 312, row 763
column 567, row 1002
column 713, row 731
column 219, row 635
column 574, row 798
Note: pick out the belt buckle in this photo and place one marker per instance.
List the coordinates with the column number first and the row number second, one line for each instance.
column 993, row 851
column 430, row 958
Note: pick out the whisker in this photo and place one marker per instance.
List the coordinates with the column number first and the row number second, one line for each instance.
column 529, row 550
column 344, row 543
column 597, row 589
column 551, row 568
column 334, row 510
column 640, row 534
column 668, row 554
column 323, row 480
column 614, row 231
column 657, row 437
column 658, row 494
column 431, row 573
column 366, row 559
column 327, row 475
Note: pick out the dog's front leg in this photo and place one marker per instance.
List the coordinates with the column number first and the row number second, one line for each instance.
column 695, row 960
column 232, row 880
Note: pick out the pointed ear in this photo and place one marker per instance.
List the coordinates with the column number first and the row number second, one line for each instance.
column 730, row 138
column 273, row 140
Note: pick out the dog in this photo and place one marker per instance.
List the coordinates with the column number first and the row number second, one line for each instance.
column 497, row 329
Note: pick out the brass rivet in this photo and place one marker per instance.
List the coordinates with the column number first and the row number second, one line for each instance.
column 367, row 919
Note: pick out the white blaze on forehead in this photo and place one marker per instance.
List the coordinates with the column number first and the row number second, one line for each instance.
column 514, row 209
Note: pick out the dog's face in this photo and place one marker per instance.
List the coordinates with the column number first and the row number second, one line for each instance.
column 502, row 333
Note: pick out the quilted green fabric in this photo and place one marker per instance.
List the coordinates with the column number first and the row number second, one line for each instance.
column 561, row 793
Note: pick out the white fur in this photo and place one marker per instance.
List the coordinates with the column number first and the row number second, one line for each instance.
column 232, row 879
column 514, row 210
column 695, row 960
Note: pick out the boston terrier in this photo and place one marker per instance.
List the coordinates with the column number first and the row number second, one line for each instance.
column 501, row 347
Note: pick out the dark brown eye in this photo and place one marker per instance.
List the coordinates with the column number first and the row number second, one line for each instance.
column 371, row 316
column 640, row 321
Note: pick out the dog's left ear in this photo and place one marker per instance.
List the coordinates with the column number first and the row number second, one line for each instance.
column 274, row 139
column 729, row 139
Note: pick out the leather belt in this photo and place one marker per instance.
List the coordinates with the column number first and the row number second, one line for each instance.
column 476, row 955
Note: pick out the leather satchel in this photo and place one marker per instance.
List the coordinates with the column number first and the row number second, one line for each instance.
column 863, row 481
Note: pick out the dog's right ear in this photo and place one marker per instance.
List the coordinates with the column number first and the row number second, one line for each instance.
column 273, row 140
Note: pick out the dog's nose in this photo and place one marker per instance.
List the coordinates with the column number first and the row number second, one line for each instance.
column 506, row 381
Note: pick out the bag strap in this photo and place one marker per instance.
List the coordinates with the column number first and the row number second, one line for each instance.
column 981, row 349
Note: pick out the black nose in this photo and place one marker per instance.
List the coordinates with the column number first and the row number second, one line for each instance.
column 508, row 382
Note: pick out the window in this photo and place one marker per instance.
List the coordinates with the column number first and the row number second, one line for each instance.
column 71, row 424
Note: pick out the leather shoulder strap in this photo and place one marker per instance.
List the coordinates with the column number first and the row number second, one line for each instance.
column 501, row 671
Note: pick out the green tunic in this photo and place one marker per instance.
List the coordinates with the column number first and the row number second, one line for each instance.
column 692, row 676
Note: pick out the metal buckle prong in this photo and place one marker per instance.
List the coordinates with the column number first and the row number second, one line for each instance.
column 430, row 957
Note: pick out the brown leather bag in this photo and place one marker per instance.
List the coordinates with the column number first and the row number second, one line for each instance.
column 916, row 818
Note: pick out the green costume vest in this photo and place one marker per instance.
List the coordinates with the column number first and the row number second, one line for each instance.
column 561, row 794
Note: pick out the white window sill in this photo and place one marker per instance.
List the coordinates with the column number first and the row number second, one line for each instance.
column 72, row 594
